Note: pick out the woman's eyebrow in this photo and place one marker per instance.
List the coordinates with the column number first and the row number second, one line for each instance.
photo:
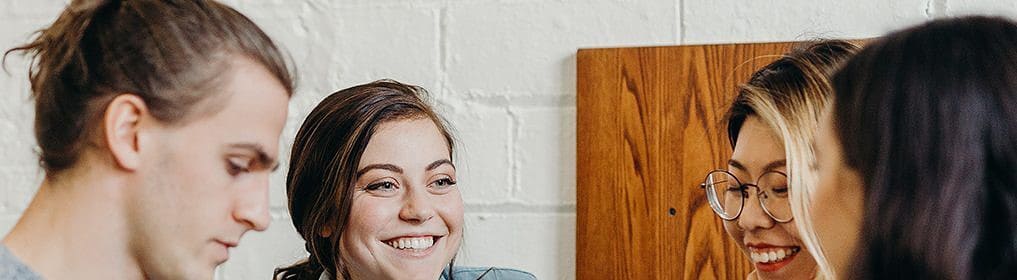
column 770, row 166
column 775, row 164
column 439, row 162
column 736, row 164
column 385, row 166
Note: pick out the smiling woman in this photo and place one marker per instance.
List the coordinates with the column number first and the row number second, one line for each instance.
column 372, row 190
column 763, row 194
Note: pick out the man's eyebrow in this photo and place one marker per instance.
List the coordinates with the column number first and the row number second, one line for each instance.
column 263, row 159
column 439, row 162
column 385, row 166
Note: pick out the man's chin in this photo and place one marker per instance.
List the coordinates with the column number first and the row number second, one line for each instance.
column 196, row 271
column 204, row 273
column 180, row 275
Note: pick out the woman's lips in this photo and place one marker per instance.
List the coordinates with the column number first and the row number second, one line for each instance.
column 771, row 258
column 412, row 243
column 414, row 246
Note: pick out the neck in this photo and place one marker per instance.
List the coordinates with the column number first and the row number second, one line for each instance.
column 75, row 228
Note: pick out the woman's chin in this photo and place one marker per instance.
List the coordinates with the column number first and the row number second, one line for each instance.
column 789, row 268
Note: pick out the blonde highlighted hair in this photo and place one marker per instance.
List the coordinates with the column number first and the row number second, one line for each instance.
column 789, row 95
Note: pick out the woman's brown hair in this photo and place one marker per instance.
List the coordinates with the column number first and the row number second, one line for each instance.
column 324, row 160
column 927, row 116
column 170, row 53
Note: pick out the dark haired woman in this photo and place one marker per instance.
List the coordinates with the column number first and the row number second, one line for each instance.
column 372, row 190
column 918, row 155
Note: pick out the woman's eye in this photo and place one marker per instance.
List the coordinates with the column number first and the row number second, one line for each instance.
column 381, row 187
column 734, row 188
column 780, row 191
column 443, row 183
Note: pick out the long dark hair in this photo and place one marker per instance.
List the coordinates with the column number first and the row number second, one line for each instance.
column 324, row 160
column 170, row 53
column 927, row 116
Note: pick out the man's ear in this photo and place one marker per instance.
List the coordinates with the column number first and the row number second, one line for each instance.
column 121, row 124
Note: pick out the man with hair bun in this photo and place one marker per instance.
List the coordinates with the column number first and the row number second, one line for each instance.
column 158, row 123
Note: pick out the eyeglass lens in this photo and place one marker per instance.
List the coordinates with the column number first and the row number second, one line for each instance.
column 727, row 195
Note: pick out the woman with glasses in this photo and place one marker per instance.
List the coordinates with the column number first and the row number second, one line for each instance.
column 762, row 195
column 918, row 160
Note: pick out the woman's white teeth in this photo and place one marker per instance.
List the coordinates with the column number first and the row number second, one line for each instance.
column 772, row 255
column 412, row 243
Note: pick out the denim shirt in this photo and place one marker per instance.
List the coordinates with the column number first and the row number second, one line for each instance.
column 474, row 273
column 487, row 273
column 11, row 268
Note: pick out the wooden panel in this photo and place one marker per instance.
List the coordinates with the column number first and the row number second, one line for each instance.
column 650, row 125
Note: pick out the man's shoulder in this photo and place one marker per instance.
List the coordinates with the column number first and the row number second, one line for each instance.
column 11, row 268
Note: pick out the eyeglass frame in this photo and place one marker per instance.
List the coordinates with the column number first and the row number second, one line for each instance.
column 743, row 186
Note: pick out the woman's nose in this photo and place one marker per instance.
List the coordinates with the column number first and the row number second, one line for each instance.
column 753, row 216
column 417, row 207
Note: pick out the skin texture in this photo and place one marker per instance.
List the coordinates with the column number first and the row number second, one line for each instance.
column 206, row 183
column 837, row 200
column 757, row 148
column 153, row 200
column 406, row 188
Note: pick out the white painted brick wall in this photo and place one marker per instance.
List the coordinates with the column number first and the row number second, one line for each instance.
column 502, row 71
column 726, row 21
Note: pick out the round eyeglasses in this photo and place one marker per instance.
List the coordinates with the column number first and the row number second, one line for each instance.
column 727, row 194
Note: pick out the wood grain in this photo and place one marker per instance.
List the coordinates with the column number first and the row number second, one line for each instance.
column 650, row 125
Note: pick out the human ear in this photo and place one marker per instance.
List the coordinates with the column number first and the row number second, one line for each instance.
column 121, row 123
